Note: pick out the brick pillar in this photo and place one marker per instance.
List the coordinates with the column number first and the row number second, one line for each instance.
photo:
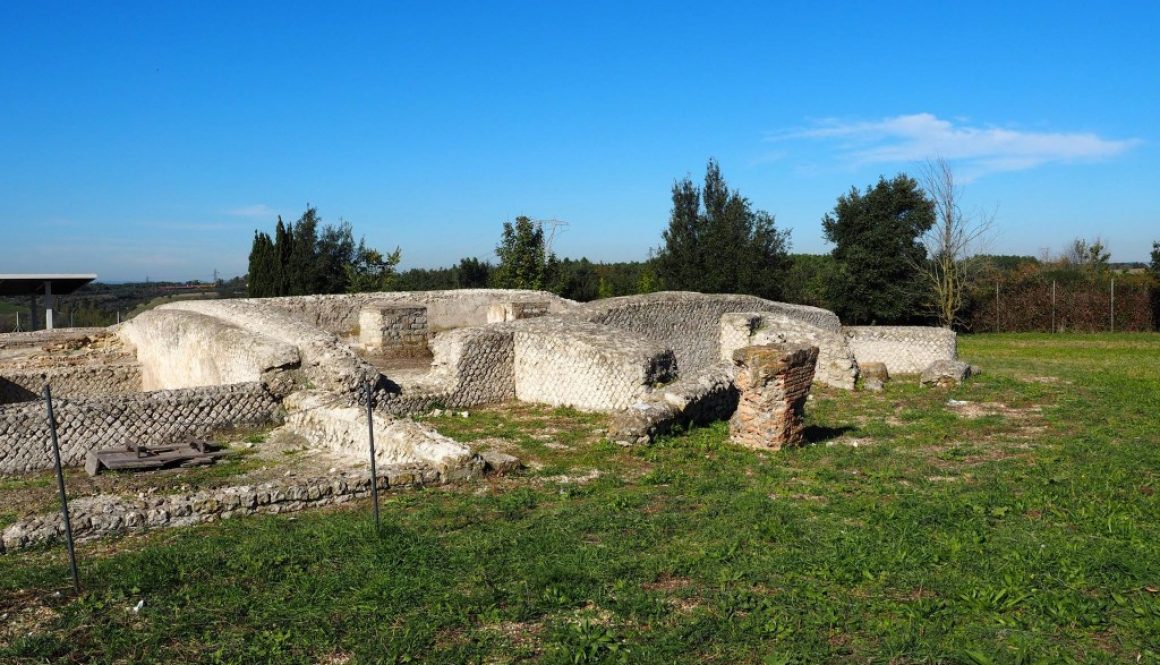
column 773, row 381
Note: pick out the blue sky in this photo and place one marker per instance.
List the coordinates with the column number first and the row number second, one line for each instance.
column 151, row 139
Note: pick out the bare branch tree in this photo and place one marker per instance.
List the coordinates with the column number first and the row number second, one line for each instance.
column 954, row 237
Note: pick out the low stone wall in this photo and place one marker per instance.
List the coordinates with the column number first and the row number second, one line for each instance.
column 687, row 322
column 836, row 365
column 697, row 400
column 446, row 310
column 59, row 337
column 152, row 418
column 394, row 330
column 327, row 422
column 105, row 515
column 27, row 384
column 585, row 365
column 903, row 349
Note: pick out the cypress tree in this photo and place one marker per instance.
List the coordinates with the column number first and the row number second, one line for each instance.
column 717, row 243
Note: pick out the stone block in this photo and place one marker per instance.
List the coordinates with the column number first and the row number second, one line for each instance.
column 394, row 330
column 874, row 375
column 945, row 373
column 500, row 463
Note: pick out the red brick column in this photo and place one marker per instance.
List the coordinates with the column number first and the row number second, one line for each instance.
column 774, row 381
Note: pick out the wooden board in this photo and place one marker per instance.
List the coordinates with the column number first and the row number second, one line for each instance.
column 194, row 453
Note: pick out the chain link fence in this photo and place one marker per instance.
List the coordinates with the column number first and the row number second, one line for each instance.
column 1063, row 306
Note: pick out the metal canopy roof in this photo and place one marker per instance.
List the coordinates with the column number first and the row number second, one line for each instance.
column 33, row 285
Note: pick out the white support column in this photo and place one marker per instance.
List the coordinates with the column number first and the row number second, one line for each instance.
column 48, row 305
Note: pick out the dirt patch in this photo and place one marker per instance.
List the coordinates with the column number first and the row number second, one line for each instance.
column 24, row 613
column 668, row 584
column 523, row 634
column 577, row 479
column 983, row 409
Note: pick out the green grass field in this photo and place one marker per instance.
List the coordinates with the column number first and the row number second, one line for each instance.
column 1021, row 527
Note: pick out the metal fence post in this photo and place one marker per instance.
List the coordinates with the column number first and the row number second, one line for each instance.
column 371, row 438
column 1112, row 305
column 1053, row 305
column 68, row 534
column 996, row 306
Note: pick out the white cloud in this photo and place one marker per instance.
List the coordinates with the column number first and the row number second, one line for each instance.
column 921, row 136
column 258, row 210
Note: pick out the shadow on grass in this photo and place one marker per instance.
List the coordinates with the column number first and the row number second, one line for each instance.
column 821, row 433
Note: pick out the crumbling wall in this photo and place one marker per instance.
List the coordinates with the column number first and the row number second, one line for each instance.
column 106, row 515
column 181, row 349
column 687, row 322
column 342, row 428
column 151, row 418
column 707, row 396
column 836, row 365
column 27, row 383
column 446, row 310
column 48, row 340
column 394, row 330
column 903, row 349
column 586, row 366
column 325, row 361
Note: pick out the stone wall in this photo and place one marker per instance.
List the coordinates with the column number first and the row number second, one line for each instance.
column 703, row 398
column 106, row 515
column 514, row 311
column 27, row 384
column 394, row 330
column 325, row 361
column 836, row 365
column 472, row 366
column 585, row 365
column 151, row 418
column 329, row 423
column 903, row 349
column 183, row 349
column 688, row 322
column 58, row 337
column 446, row 310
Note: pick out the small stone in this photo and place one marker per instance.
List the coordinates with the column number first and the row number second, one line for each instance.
column 874, row 375
column 499, row 463
column 945, row 373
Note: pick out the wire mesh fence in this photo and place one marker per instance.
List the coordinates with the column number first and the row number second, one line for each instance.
column 1063, row 306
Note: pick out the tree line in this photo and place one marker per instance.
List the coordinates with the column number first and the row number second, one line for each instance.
column 904, row 252
column 303, row 258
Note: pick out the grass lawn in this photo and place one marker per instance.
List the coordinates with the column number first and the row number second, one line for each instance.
column 1020, row 527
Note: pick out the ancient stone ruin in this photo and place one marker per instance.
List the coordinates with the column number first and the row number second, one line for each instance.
column 653, row 362
column 773, row 382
